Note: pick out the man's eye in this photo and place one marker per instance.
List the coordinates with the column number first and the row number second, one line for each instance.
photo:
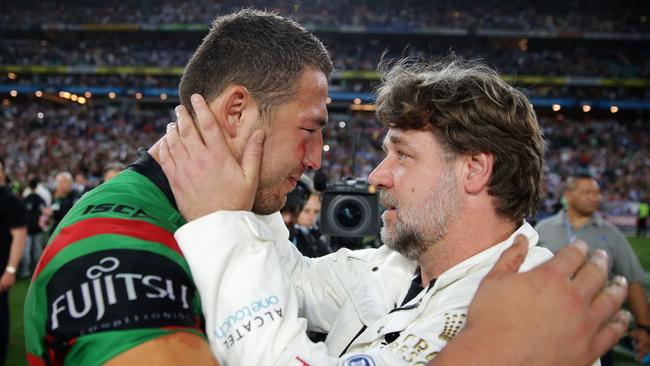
column 401, row 155
column 310, row 130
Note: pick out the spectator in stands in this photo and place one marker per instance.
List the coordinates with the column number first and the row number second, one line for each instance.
column 35, row 205
column 581, row 221
column 63, row 199
column 112, row 169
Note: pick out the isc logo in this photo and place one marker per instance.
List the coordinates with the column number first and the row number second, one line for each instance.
column 117, row 208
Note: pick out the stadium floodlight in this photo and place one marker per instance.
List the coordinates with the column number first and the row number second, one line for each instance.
column 138, row 95
column 163, row 96
column 586, row 108
column 111, row 95
column 328, row 100
column 342, row 124
column 11, row 75
column 81, row 100
column 13, row 93
column 556, row 107
column 40, row 115
column 613, row 109
column 326, row 148
column 66, row 95
column 88, row 94
column 39, row 93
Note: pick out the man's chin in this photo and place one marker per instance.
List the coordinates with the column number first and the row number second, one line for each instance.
column 268, row 205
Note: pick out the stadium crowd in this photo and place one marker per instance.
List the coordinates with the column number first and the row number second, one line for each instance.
column 42, row 140
column 350, row 52
column 550, row 16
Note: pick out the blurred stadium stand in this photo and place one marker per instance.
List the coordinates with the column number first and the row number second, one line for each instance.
column 83, row 83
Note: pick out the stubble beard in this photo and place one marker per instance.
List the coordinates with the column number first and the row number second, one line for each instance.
column 267, row 201
column 424, row 224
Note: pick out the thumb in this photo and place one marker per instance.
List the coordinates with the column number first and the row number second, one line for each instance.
column 252, row 158
column 511, row 259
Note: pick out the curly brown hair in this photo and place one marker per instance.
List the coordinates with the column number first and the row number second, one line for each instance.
column 470, row 110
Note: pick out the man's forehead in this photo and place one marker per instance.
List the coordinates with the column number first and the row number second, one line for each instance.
column 398, row 137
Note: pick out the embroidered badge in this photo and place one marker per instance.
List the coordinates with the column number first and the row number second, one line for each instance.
column 359, row 360
column 453, row 324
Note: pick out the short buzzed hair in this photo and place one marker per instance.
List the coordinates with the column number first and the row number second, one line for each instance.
column 572, row 181
column 261, row 51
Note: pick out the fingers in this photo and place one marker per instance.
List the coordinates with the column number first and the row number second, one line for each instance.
column 592, row 276
column 166, row 159
column 252, row 158
column 568, row 260
column 208, row 126
column 609, row 334
column 511, row 259
column 609, row 300
column 174, row 142
column 187, row 131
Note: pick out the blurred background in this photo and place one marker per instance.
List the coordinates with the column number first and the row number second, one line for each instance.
column 83, row 84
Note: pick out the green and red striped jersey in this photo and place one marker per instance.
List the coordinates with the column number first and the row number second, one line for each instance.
column 112, row 275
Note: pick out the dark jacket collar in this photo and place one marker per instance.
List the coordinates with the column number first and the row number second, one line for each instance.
column 146, row 165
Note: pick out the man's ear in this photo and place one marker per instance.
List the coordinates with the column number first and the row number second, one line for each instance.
column 228, row 108
column 479, row 172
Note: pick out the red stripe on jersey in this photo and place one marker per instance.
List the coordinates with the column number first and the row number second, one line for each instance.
column 96, row 226
column 33, row 360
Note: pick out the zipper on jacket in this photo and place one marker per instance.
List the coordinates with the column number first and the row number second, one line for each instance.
column 353, row 339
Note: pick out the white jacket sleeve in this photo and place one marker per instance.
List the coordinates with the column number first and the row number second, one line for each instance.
column 321, row 284
column 250, row 307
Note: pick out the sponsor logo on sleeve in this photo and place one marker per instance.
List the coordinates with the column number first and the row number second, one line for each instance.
column 116, row 290
column 247, row 319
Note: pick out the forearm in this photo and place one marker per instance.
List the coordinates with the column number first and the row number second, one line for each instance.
column 638, row 302
column 250, row 311
column 18, row 238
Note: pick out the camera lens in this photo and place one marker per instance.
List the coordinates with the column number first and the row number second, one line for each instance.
column 349, row 214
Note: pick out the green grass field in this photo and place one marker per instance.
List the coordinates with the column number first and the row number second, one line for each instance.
column 16, row 355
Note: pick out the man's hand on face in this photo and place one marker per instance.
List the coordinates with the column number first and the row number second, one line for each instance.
column 564, row 306
column 203, row 173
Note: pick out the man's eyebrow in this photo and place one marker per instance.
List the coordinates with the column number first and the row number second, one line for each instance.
column 398, row 141
column 319, row 120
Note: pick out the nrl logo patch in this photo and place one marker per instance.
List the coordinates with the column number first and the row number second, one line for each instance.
column 453, row 324
column 359, row 360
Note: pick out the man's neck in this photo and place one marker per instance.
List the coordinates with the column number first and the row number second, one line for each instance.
column 470, row 235
column 577, row 219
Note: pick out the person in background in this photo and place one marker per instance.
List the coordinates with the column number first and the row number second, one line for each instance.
column 642, row 220
column 310, row 212
column 35, row 206
column 13, row 233
column 112, row 169
column 63, row 198
column 580, row 220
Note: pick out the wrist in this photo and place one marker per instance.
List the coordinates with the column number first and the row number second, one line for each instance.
column 10, row 270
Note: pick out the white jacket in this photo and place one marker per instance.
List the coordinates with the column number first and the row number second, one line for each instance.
column 254, row 284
